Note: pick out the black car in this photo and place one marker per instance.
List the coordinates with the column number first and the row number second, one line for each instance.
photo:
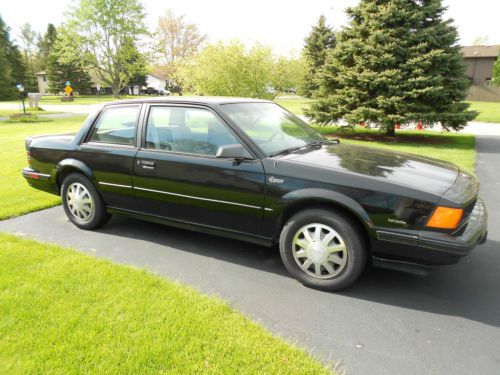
column 250, row 170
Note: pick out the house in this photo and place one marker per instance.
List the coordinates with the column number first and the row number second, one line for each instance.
column 43, row 83
column 156, row 82
column 479, row 61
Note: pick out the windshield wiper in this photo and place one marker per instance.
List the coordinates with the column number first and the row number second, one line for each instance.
column 286, row 151
column 322, row 142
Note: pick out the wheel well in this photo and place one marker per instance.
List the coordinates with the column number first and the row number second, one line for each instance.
column 65, row 172
column 311, row 204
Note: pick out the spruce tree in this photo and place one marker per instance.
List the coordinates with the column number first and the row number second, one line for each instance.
column 317, row 44
column 13, row 55
column 7, row 88
column 45, row 45
column 397, row 62
column 63, row 67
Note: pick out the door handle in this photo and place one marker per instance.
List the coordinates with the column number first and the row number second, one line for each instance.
column 146, row 164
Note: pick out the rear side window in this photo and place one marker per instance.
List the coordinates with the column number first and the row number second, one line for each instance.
column 116, row 125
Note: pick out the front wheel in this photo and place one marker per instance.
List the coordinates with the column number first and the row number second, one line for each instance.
column 323, row 249
column 82, row 203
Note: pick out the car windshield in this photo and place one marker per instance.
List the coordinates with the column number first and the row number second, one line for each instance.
column 271, row 127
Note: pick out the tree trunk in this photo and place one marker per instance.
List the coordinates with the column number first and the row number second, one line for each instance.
column 115, row 87
column 390, row 130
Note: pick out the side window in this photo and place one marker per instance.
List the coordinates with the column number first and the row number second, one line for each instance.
column 182, row 129
column 116, row 125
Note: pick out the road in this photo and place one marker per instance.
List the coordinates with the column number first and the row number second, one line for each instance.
column 388, row 323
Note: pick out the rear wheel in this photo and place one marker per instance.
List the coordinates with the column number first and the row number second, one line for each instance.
column 323, row 249
column 82, row 203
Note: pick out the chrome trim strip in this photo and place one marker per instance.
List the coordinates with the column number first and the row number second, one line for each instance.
column 268, row 209
column 116, row 185
column 202, row 199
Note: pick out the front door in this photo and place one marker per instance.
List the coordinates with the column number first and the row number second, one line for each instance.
column 176, row 174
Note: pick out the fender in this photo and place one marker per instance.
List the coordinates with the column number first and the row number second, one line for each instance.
column 328, row 196
column 73, row 164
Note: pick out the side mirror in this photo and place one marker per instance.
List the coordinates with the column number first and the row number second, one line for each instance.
column 236, row 151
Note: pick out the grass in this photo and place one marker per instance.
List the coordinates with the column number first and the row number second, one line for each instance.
column 294, row 105
column 16, row 195
column 65, row 312
column 488, row 111
column 8, row 112
column 83, row 99
column 455, row 148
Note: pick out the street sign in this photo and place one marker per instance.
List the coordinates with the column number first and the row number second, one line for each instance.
column 68, row 90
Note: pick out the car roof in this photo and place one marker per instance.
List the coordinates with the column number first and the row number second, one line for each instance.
column 206, row 100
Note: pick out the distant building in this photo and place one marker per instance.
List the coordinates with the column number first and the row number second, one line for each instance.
column 480, row 61
column 156, row 82
column 43, row 83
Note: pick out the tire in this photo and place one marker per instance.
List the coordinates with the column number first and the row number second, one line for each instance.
column 82, row 203
column 332, row 263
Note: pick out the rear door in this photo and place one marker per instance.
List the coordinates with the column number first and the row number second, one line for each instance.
column 176, row 174
column 109, row 150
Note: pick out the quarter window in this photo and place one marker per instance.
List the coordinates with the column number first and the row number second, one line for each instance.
column 190, row 130
column 116, row 125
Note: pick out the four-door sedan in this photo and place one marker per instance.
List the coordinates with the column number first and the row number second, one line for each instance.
column 250, row 170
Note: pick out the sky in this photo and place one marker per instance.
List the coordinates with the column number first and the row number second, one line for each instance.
column 281, row 24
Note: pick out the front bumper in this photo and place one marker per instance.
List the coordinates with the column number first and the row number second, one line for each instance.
column 474, row 233
column 431, row 247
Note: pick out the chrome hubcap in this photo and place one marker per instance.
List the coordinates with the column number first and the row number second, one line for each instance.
column 80, row 202
column 319, row 251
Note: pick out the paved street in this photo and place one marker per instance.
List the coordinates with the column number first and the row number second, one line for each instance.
column 388, row 323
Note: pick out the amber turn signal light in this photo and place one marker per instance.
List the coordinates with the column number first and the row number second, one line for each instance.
column 445, row 218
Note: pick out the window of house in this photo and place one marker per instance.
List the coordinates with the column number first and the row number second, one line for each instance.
column 183, row 129
column 116, row 125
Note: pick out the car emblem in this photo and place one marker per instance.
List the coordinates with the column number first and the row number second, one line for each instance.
column 274, row 180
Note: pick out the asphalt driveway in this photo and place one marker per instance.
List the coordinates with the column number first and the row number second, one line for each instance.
column 388, row 323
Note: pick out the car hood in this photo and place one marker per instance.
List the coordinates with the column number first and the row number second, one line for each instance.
column 418, row 172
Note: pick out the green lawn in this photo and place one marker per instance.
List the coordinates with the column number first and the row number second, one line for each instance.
column 8, row 112
column 294, row 105
column 456, row 148
column 488, row 111
column 68, row 313
column 16, row 195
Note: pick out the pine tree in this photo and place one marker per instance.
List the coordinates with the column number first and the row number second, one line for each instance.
column 13, row 55
column 7, row 88
column 45, row 45
column 397, row 62
column 443, row 99
column 317, row 44
column 61, row 68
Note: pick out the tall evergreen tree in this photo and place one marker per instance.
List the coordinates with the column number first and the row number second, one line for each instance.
column 7, row 88
column 45, row 45
column 63, row 65
column 317, row 44
column 396, row 62
column 13, row 55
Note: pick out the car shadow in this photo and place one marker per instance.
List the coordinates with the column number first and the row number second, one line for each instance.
column 469, row 289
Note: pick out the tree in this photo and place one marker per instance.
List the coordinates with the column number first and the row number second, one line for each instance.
column 178, row 41
column 397, row 62
column 106, row 33
column 231, row 70
column 288, row 74
column 63, row 65
column 15, row 63
column 45, row 45
column 29, row 40
column 496, row 72
column 7, row 89
column 320, row 40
